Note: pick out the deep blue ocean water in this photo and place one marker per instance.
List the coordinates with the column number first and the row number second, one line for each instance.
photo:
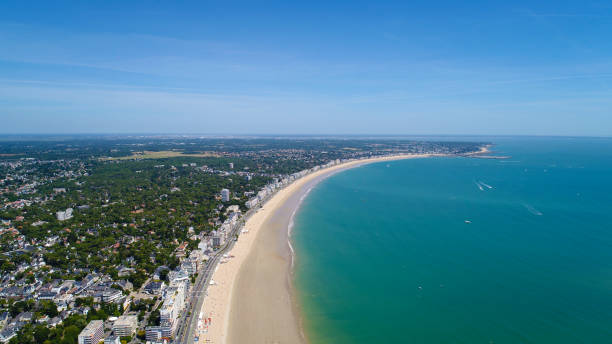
column 385, row 253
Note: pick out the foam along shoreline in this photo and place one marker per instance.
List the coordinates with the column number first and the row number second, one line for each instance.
column 251, row 300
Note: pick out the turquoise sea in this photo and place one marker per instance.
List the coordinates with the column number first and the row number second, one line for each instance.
column 385, row 255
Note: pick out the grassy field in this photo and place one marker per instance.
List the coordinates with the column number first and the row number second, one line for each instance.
column 161, row 155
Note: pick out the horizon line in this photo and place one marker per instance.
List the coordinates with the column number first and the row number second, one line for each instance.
column 245, row 135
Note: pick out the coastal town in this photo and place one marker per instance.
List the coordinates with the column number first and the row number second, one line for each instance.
column 114, row 240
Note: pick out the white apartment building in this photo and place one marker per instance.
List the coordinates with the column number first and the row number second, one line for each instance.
column 225, row 195
column 252, row 202
column 112, row 340
column 174, row 303
column 125, row 325
column 111, row 295
column 153, row 334
column 92, row 333
column 64, row 215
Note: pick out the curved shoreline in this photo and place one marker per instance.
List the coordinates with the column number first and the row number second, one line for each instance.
column 253, row 299
column 290, row 274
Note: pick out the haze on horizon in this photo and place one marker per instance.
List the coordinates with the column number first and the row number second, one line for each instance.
column 385, row 67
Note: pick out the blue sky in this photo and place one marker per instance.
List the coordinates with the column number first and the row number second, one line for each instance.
column 354, row 67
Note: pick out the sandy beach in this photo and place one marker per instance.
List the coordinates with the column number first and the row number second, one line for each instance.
column 251, row 299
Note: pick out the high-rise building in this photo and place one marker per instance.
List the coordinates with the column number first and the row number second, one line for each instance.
column 225, row 195
column 174, row 303
column 153, row 333
column 112, row 340
column 92, row 333
column 125, row 325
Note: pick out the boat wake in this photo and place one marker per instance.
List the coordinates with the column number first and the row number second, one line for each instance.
column 486, row 185
column 482, row 185
column 532, row 210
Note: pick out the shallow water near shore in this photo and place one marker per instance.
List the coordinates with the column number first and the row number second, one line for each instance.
column 462, row 250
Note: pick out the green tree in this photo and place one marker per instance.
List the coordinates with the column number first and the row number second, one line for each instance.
column 48, row 308
column 41, row 333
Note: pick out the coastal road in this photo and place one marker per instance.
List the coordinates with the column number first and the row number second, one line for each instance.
column 188, row 321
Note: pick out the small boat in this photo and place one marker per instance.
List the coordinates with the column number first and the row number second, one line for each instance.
column 468, row 221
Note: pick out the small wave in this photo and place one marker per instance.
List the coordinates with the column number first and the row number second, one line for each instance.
column 532, row 210
column 291, row 223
